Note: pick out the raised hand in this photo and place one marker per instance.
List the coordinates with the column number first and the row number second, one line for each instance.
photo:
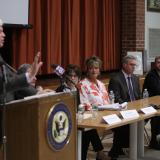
column 35, row 67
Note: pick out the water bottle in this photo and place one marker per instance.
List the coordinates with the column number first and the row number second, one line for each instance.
column 111, row 97
column 145, row 93
column 81, row 110
column 145, row 97
column 94, row 110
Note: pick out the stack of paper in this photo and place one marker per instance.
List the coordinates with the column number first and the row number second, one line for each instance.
column 114, row 106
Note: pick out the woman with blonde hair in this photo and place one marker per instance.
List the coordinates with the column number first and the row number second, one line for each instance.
column 93, row 93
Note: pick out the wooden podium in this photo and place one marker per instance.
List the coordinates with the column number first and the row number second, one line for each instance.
column 26, row 128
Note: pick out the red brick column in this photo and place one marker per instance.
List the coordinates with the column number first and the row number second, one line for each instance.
column 132, row 25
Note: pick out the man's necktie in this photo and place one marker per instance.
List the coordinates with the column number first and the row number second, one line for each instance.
column 131, row 93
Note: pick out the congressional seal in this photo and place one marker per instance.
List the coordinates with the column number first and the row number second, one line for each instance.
column 59, row 126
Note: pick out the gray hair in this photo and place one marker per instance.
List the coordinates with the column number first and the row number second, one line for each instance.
column 23, row 68
column 1, row 22
column 127, row 58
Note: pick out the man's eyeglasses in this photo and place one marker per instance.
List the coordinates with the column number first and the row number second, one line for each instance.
column 132, row 64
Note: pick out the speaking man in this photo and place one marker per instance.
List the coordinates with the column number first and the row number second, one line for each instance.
column 11, row 80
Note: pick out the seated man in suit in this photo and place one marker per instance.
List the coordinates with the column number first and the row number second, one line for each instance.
column 125, row 86
column 31, row 89
column 152, row 83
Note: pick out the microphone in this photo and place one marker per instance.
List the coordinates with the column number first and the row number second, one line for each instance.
column 60, row 71
column 54, row 65
column 3, row 69
column 11, row 68
column 4, row 74
column 2, row 62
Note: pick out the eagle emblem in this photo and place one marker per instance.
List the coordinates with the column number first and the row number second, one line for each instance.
column 59, row 126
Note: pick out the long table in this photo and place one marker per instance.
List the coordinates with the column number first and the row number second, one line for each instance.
column 136, row 126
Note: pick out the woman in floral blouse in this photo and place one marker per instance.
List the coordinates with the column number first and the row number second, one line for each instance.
column 92, row 92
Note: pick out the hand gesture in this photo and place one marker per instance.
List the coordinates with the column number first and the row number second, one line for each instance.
column 35, row 67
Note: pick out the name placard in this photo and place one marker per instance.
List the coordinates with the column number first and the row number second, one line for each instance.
column 111, row 119
column 148, row 110
column 129, row 114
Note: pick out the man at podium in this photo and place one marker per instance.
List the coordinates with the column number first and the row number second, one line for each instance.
column 10, row 81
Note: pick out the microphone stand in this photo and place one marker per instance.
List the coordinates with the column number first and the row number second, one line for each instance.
column 77, row 88
column 4, row 137
column 11, row 68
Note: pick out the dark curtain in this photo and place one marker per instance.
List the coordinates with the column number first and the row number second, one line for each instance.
column 69, row 31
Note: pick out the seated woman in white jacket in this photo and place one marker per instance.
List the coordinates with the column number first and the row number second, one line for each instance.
column 92, row 92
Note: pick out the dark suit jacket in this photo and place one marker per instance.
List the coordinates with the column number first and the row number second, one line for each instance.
column 152, row 83
column 26, row 91
column 14, row 82
column 119, row 86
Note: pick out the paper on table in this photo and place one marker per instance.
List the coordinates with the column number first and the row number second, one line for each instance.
column 111, row 119
column 148, row 110
column 42, row 95
column 129, row 114
column 115, row 106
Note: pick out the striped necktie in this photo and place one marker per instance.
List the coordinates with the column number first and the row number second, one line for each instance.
column 131, row 93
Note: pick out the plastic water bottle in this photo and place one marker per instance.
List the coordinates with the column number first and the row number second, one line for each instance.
column 145, row 93
column 111, row 97
column 94, row 111
column 145, row 97
column 81, row 111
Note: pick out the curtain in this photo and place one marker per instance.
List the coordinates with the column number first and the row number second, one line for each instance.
column 70, row 31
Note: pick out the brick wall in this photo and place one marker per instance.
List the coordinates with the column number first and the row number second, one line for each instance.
column 132, row 25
